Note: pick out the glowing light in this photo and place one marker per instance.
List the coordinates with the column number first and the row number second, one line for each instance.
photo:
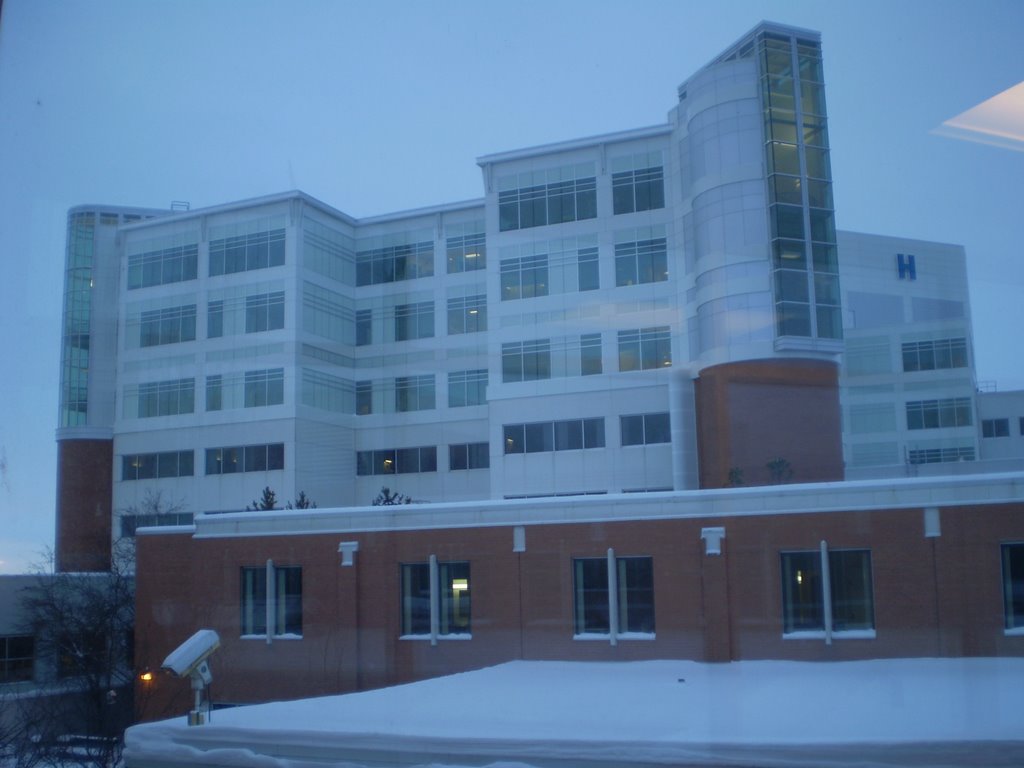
column 146, row 677
column 799, row 577
column 460, row 585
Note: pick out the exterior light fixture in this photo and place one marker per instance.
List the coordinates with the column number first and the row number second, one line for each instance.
column 146, row 677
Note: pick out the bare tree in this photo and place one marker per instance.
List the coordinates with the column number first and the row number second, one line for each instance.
column 83, row 627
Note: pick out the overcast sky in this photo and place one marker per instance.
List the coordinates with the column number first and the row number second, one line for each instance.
column 376, row 107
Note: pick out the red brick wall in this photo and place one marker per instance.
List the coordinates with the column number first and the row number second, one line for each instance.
column 932, row 597
column 84, row 504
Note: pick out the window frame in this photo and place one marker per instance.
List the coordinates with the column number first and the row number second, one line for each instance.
column 447, row 588
column 612, row 597
column 281, row 606
column 827, row 600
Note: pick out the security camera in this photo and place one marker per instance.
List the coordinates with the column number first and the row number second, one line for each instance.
column 189, row 658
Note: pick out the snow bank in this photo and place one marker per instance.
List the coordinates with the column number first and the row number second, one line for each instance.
column 934, row 712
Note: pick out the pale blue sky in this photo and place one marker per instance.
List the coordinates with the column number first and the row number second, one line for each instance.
column 382, row 106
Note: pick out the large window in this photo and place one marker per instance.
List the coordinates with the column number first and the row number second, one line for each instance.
column 642, row 189
column 130, row 523
column 364, row 327
column 242, row 253
column 547, row 197
column 467, row 253
column 613, row 601
column 1013, row 586
column 467, row 314
column 264, row 312
column 160, row 267
column 167, row 326
column 643, row 261
column 160, row 398
column 393, row 263
column 524, row 278
column 264, row 387
column 995, row 427
column 543, row 436
column 645, row 429
column 400, row 461
column 467, row 388
column 935, row 414
column 251, row 389
column 935, row 355
column 244, row 458
column 414, row 393
column 435, row 599
column 271, row 601
column 645, row 349
column 590, row 354
column 526, row 360
column 469, row 456
column 940, row 455
column 833, row 599
column 414, row 321
column 17, row 658
column 147, row 466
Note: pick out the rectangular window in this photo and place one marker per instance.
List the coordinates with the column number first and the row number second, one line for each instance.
column 131, row 523
column 364, row 397
column 645, row 349
column 467, row 314
column 435, row 599
column 271, row 597
column 393, row 263
column 17, row 658
column 544, row 436
column 524, row 278
column 215, row 319
column 638, row 190
column 168, row 265
column 936, row 414
column 414, row 321
column 590, row 354
column 555, row 199
column 467, row 253
column 244, row 458
column 940, row 455
column 526, row 360
column 243, row 253
column 467, row 388
column 167, row 326
column 146, row 466
column 995, row 427
column 469, row 456
column 160, row 398
column 588, row 271
column 613, row 603
column 842, row 603
column 643, row 261
column 397, row 461
column 364, row 327
column 265, row 387
column 1013, row 586
column 414, row 393
column 264, row 312
column 935, row 355
column 645, row 429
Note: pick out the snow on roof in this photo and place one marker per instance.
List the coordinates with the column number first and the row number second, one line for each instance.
column 934, row 712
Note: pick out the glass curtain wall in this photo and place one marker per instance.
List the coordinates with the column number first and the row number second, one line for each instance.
column 78, row 276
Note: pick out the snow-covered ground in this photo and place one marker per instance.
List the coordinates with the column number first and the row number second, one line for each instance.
column 890, row 712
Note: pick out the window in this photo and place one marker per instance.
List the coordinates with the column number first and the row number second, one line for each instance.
column 167, row 326
column 644, row 261
column 526, row 360
column 639, row 190
column 467, row 253
column 257, row 250
column 401, row 461
column 146, row 466
column 215, row 319
column 645, row 429
column 264, row 312
column 995, row 427
column 364, row 327
column 841, row 603
column 935, row 414
column 616, row 601
column 271, row 598
column 435, row 599
column 552, row 197
column 467, row 388
column 168, row 265
column 1013, row 587
column 130, row 523
column 590, row 354
column 364, row 397
column 244, row 458
column 395, row 262
column 469, row 456
column 940, row 455
column 645, row 349
column 414, row 393
column 414, row 321
column 543, row 436
column 265, row 387
column 524, row 278
column 17, row 658
column 935, row 355
column 588, row 271
column 160, row 398
column 467, row 315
